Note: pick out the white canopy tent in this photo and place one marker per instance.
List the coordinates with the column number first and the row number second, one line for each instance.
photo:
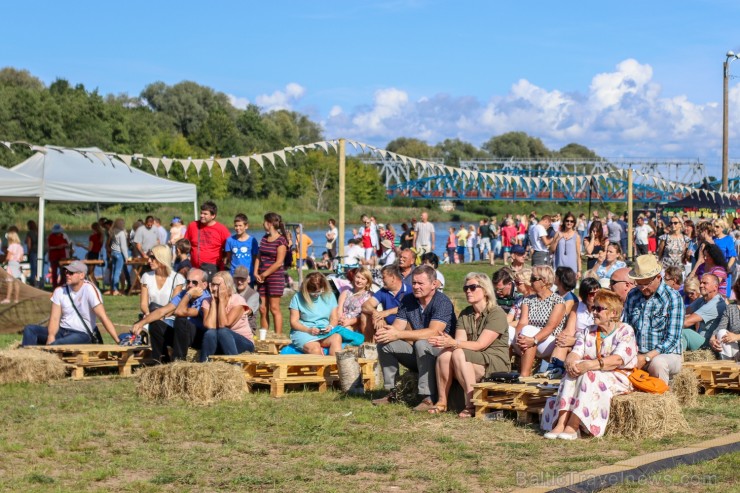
column 14, row 186
column 89, row 175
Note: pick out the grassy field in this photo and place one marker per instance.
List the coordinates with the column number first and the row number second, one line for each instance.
column 97, row 435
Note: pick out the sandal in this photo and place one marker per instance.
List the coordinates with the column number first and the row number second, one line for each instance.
column 468, row 412
column 438, row 409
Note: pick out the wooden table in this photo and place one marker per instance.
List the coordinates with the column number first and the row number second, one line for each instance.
column 716, row 375
column 525, row 398
column 85, row 356
column 137, row 264
column 277, row 371
column 271, row 345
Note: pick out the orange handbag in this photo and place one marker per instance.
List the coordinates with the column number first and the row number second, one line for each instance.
column 641, row 380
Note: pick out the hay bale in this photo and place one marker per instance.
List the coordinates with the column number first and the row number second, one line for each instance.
column 699, row 355
column 640, row 415
column 195, row 383
column 685, row 386
column 407, row 388
column 30, row 366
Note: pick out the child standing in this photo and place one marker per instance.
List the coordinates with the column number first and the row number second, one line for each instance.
column 182, row 257
column 240, row 248
column 14, row 257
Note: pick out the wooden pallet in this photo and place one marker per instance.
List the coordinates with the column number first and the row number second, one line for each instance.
column 80, row 357
column 277, row 371
column 716, row 375
column 524, row 398
column 271, row 345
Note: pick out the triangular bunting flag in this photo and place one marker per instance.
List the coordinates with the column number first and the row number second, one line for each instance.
column 197, row 164
column 222, row 163
column 154, row 162
column 125, row 158
column 167, row 163
column 324, row 146
column 333, row 144
column 281, row 155
column 258, row 158
column 270, row 157
column 353, row 144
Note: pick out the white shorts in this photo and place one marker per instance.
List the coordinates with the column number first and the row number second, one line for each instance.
column 544, row 348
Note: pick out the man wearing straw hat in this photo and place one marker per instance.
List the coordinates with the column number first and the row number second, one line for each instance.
column 656, row 312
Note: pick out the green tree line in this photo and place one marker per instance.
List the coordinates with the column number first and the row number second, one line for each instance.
column 190, row 120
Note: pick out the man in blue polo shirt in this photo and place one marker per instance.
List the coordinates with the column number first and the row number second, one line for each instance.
column 187, row 329
column 388, row 297
column 426, row 314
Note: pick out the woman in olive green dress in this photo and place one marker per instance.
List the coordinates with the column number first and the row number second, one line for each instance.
column 480, row 346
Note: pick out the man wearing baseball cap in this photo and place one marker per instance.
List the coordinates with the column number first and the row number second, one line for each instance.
column 656, row 313
column 75, row 308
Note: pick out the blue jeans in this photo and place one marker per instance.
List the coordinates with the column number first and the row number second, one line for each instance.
column 224, row 341
column 118, row 263
column 36, row 335
column 32, row 260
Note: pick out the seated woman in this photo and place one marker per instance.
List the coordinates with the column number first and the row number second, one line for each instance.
column 226, row 316
column 542, row 319
column 523, row 287
column 480, row 345
column 611, row 262
column 585, row 394
column 313, row 314
column 727, row 334
column 714, row 263
column 161, row 284
column 690, row 290
column 578, row 320
column 351, row 301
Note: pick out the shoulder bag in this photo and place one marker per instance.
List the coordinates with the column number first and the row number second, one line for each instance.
column 95, row 337
column 641, row 380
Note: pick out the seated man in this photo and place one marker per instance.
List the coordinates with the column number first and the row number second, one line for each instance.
column 503, row 286
column 187, row 329
column 354, row 254
column 703, row 315
column 388, row 297
column 407, row 263
column 75, row 308
column 656, row 313
column 426, row 314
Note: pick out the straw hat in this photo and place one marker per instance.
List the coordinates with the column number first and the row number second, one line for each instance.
column 646, row 266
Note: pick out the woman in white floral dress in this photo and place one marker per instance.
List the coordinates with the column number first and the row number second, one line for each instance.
column 585, row 393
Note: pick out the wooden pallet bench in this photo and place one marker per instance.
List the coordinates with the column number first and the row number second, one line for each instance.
column 277, row 371
column 80, row 357
column 271, row 345
column 524, row 398
column 716, row 375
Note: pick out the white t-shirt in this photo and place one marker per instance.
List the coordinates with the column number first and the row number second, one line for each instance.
column 537, row 233
column 424, row 232
column 164, row 295
column 86, row 299
column 354, row 254
column 641, row 234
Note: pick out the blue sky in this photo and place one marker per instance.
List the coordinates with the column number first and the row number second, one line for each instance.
column 626, row 79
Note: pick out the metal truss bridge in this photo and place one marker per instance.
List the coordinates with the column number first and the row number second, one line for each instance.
column 559, row 180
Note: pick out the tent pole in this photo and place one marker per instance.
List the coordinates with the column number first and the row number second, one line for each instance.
column 40, row 244
column 195, row 209
column 630, row 225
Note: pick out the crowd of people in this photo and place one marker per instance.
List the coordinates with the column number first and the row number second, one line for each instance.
column 204, row 287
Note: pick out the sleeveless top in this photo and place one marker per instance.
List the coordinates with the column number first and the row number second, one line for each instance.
column 565, row 253
column 353, row 303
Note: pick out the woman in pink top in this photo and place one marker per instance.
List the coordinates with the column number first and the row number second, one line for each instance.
column 225, row 316
column 508, row 236
column 14, row 257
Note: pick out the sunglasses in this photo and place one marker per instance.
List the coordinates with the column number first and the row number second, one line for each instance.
column 470, row 287
column 569, row 221
column 614, row 283
column 193, row 281
column 69, row 272
column 598, row 308
column 675, row 222
column 533, row 279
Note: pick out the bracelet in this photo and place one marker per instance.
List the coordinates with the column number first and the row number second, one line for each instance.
column 601, row 364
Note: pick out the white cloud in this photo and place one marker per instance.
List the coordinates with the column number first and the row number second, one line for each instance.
column 238, row 102
column 335, row 111
column 281, row 100
column 619, row 113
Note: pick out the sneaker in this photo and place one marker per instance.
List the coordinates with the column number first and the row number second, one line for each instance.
column 391, row 398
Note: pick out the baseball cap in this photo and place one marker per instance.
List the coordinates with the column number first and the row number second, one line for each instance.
column 517, row 250
column 76, row 266
column 241, row 272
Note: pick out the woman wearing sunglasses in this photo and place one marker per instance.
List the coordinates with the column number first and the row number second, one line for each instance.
column 542, row 319
column 566, row 247
column 672, row 247
column 226, row 316
column 479, row 347
column 584, row 398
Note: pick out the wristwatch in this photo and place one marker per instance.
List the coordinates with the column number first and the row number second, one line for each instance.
column 535, row 340
column 648, row 359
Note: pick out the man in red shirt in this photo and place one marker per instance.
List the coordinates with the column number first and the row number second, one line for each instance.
column 207, row 238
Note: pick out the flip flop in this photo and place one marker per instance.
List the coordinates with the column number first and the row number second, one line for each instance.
column 468, row 412
column 438, row 409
